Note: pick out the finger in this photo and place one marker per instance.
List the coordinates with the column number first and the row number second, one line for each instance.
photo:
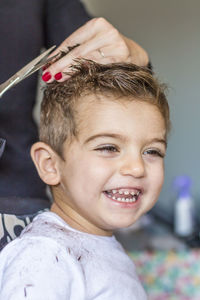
column 80, row 51
column 85, row 33
column 114, row 52
column 138, row 55
column 107, row 55
column 100, row 40
column 82, row 34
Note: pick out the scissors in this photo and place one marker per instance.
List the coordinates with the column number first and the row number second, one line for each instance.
column 29, row 69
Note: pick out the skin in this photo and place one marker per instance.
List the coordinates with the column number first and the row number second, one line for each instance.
column 97, row 34
column 120, row 145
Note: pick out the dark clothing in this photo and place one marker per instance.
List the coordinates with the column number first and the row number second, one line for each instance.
column 25, row 27
column 2, row 146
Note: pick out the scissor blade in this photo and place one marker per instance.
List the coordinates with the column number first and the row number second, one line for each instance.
column 35, row 64
column 26, row 71
column 8, row 84
column 43, row 62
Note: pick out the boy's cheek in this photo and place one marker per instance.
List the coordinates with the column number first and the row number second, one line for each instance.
column 158, row 178
column 160, row 182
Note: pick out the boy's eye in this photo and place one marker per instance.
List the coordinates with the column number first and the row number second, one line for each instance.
column 154, row 152
column 107, row 148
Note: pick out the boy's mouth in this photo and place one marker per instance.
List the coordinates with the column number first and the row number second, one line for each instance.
column 123, row 195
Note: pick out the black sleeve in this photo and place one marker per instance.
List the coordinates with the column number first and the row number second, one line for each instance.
column 2, row 146
column 62, row 17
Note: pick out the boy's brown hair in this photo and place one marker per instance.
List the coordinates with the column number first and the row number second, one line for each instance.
column 58, row 109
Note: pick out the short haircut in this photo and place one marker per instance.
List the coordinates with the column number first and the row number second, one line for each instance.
column 60, row 100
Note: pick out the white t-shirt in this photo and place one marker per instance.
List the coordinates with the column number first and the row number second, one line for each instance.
column 52, row 261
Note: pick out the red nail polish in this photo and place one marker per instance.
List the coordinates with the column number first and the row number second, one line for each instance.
column 46, row 76
column 58, row 76
column 44, row 68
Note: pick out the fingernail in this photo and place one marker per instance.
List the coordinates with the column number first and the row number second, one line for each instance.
column 58, row 76
column 46, row 76
column 44, row 68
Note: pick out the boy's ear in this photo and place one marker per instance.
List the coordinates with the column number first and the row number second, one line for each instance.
column 46, row 162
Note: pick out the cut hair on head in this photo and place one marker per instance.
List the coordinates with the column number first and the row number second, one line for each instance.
column 61, row 99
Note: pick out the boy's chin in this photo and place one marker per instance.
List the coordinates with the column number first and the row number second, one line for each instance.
column 124, row 224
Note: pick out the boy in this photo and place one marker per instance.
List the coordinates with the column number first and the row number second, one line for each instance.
column 102, row 144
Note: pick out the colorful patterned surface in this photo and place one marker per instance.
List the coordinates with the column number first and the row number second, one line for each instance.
column 168, row 275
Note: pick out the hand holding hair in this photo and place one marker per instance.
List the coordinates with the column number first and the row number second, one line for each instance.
column 97, row 40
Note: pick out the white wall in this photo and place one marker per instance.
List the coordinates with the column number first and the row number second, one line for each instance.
column 170, row 32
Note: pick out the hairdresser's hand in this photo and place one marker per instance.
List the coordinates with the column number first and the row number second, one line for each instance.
column 99, row 41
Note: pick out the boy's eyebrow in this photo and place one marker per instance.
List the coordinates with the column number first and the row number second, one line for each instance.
column 122, row 138
column 100, row 135
column 156, row 140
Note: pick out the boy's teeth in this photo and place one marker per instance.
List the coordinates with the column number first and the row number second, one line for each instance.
column 126, row 192
column 127, row 196
column 133, row 199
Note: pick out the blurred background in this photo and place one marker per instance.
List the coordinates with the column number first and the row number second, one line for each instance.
column 170, row 32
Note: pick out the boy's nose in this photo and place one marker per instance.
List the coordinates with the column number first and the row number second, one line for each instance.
column 133, row 166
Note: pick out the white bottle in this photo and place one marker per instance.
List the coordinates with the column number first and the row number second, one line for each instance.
column 184, row 208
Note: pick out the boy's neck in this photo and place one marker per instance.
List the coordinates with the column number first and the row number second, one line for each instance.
column 76, row 221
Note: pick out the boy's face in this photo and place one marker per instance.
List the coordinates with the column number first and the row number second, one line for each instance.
column 113, row 171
